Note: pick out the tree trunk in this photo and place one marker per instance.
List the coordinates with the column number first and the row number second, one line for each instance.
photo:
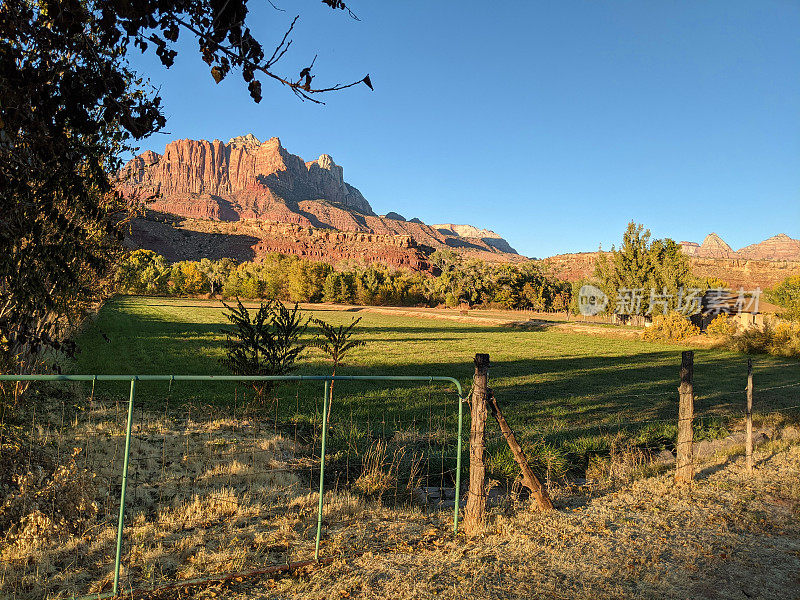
column 749, row 415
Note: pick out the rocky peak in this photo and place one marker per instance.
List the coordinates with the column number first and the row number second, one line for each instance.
column 715, row 247
column 149, row 157
column 778, row 247
column 247, row 141
column 325, row 161
column 248, row 174
column 249, row 180
column 470, row 231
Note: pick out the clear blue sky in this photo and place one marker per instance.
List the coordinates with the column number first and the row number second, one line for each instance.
column 552, row 123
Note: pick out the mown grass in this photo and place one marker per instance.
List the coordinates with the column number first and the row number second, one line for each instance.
column 567, row 394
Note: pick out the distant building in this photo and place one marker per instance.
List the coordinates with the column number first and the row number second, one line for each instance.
column 745, row 307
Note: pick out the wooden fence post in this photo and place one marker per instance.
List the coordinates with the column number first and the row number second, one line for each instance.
column 684, row 470
column 749, row 433
column 475, row 513
column 529, row 480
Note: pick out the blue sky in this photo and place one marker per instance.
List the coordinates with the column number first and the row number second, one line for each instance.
column 552, row 123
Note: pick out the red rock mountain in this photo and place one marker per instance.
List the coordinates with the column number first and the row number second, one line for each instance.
column 778, row 248
column 251, row 187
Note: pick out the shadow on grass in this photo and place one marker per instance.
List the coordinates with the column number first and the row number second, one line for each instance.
column 586, row 387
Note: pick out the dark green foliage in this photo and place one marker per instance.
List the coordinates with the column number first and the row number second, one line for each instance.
column 336, row 342
column 267, row 343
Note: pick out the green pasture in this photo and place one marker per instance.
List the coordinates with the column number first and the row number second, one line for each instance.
column 559, row 389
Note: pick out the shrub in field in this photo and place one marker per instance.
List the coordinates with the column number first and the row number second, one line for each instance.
column 39, row 500
column 266, row 344
column 721, row 326
column 782, row 339
column 336, row 342
column 673, row 327
column 787, row 339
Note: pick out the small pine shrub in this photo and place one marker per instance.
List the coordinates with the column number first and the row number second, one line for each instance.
column 721, row 326
column 672, row 327
column 267, row 343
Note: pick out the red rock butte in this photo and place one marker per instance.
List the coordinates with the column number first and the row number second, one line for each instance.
column 245, row 199
column 757, row 265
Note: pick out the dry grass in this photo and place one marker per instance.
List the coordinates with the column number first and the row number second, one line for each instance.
column 728, row 536
column 204, row 496
column 216, row 495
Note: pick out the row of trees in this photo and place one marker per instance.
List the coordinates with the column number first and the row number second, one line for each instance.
column 291, row 278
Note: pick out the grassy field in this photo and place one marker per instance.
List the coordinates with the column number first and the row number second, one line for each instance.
column 557, row 386
column 221, row 484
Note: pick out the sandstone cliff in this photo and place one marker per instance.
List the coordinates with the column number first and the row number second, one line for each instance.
column 778, row 247
column 485, row 235
column 248, row 184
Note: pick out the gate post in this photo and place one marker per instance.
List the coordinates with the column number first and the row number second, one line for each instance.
column 322, row 469
column 121, row 522
column 684, row 469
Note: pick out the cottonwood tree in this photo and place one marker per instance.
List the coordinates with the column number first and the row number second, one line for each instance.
column 787, row 295
column 644, row 265
column 70, row 106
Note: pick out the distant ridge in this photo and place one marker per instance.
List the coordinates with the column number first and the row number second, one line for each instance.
column 779, row 247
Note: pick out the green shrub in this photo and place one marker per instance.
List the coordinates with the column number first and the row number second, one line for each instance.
column 673, row 327
column 267, row 343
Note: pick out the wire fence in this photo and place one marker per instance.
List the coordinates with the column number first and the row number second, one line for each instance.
column 225, row 487
column 572, row 448
column 224, row 477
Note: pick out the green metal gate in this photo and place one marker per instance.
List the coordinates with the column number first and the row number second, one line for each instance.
column 326, row 380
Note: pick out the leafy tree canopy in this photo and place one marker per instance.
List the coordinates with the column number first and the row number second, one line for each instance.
column 787, row 295
column 656, row 269
column 70, row 106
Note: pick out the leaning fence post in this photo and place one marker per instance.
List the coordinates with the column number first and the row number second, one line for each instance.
column 475, row 513
column 121, row 521
column 322, row 469
column 684, row 471
column 529, row 480
column 749, row 415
